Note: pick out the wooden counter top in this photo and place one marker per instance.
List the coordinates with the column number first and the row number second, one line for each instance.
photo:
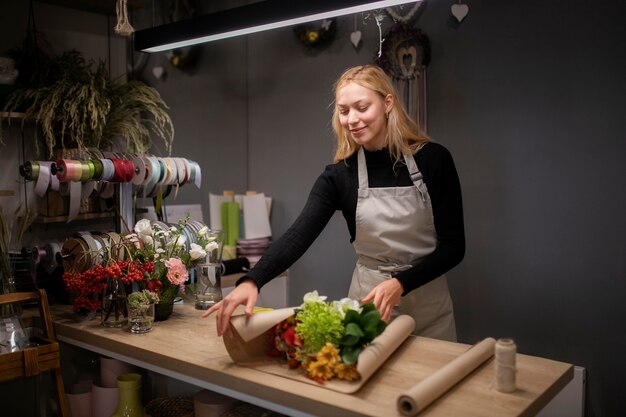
column 186, row 347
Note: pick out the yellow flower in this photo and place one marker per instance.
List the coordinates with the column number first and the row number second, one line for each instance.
column 312, row 36
column 321, row 370
column 347, row 372
column 329, row 354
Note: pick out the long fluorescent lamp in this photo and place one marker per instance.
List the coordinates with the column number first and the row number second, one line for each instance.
column 251, row 18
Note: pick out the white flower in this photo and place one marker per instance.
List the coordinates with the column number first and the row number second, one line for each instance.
column 314, row 297
column 203, row 231
column 211, row 246
column 180, row 240
column 346, row 304
column 196, row 252
column 143, row 227
column 147, row 239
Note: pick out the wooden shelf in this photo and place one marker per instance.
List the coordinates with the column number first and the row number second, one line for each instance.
column 83, row 216
column 11, row 115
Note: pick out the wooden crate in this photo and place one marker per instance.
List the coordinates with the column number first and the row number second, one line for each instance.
column 31, row 361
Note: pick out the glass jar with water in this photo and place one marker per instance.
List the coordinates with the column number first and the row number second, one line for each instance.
column 209, row 273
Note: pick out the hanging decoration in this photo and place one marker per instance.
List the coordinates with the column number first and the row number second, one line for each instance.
column 182, row 58
column 459, row 11
column 123, row 26
column 404, row 55
column 355, row 37
column 316, row 35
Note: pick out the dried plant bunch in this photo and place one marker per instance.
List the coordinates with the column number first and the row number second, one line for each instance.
column 81, row 107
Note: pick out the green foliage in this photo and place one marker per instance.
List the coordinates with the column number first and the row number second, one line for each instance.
column 80, row 107
column 361, row 329
column 142, row 298
column 319, row 323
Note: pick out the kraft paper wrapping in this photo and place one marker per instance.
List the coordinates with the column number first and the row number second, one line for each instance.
column 420, row 396
column 248, row 347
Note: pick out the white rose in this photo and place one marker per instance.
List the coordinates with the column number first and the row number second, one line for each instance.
column 203, row 231
column 314, row 297
column 180, row 241
column 196, row 252
column 346, row 304
column 211, row 246
column 147, row 239
column 143, row 227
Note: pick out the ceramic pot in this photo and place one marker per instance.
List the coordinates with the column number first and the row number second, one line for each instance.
column 129, row 404
column 163, row 311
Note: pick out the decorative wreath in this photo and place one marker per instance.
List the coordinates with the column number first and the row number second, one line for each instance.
column 405, row 52
column 317, row 35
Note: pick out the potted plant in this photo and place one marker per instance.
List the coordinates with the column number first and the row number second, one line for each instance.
column 141, row 310
column 76, row 105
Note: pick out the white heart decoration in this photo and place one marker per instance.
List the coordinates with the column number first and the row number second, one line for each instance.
column 355, row 38
column 158, row 72
column 459, row 11
column 410, row 53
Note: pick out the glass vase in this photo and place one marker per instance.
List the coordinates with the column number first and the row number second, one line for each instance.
column 141, row 318
column 208, row 274
column 113, row 312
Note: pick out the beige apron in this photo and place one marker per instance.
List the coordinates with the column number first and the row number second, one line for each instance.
column 395, row 230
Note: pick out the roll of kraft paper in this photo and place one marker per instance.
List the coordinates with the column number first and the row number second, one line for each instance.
column 420, row 396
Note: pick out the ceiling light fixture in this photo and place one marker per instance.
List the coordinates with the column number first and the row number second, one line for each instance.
column 251, row 18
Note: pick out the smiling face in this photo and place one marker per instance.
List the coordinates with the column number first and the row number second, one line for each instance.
column 362, row 113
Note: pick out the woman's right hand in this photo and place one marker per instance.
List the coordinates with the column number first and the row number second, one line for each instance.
column 246, row 293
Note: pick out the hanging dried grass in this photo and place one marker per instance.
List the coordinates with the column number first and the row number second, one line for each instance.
column 82, row 108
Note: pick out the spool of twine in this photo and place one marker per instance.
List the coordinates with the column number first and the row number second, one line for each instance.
column 505, row 352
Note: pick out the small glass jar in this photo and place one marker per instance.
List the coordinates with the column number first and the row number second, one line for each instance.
column 141, row 318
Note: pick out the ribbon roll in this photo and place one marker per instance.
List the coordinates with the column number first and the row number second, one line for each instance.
column 140, row 170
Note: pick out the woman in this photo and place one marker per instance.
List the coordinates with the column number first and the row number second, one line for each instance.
column 401, row 198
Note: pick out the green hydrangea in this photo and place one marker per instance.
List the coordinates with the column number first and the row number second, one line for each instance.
column 319, row 323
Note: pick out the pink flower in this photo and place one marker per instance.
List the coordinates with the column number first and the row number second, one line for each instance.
column 176, row 271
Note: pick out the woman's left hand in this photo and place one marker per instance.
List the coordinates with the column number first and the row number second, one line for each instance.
column 385, row 296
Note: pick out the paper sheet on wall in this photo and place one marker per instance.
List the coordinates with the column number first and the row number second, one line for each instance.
column 256, row 217
column 215, row 204
column 175, row 212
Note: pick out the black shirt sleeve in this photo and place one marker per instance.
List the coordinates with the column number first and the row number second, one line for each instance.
column 441, row 178
column 336, row 189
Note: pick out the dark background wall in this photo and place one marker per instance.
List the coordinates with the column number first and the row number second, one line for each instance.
column 529, row 98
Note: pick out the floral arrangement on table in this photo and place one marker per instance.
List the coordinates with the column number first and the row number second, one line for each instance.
column 169, row 254
column 154, row 256
column 89, row 285
column 325, row 338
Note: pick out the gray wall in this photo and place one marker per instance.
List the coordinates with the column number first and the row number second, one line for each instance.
column 529, row 97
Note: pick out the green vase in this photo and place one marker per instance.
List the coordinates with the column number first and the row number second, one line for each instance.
column 129, row 404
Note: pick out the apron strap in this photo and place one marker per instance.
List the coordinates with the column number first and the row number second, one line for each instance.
column 362, row 169
column 416, row 175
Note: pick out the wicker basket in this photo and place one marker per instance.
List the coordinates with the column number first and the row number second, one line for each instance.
column 248, row 410
column 170, row 407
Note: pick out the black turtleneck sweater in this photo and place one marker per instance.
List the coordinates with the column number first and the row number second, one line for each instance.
column 336, row 189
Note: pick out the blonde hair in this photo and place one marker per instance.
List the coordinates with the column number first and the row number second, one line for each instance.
column 403, row 135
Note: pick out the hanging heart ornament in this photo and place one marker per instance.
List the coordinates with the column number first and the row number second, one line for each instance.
column 158, row 72
column 355, row 38
column 407, row 56
column 459, row 11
